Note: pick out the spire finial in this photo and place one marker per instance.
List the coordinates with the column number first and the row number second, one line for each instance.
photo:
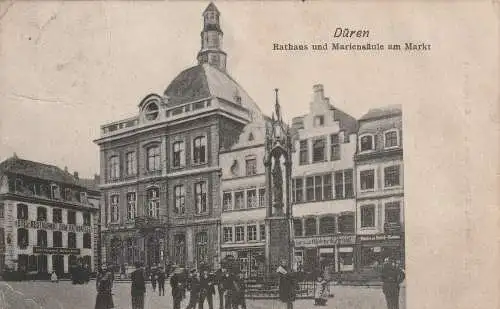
column 277, row 106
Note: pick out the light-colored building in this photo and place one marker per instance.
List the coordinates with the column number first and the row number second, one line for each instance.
column 243, row 234
column 323, row 187
column 380, row 186
column 161, row 170
column 48, row 218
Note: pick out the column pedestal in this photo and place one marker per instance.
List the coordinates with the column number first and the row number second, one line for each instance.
column 277, row 246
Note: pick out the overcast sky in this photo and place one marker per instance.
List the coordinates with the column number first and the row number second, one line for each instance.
column 69, row 67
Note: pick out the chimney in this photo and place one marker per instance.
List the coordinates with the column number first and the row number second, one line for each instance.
column 96, row 178
column 319, row 93
column 66, row 169
column 75, row 174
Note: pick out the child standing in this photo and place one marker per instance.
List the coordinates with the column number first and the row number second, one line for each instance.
column 320, row 291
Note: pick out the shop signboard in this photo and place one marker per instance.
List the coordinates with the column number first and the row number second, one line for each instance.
column 378, row 237
column 56, row 250
column 42, row 225
column 320, row 241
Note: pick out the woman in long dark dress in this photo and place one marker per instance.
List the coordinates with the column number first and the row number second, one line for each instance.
column 104, row 298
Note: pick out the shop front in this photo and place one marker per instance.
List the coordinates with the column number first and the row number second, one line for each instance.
column 373, row 249
column 329, row 253
column 251, row 260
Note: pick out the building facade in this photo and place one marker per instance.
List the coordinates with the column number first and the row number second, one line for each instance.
column 243, row 230
column 48, row 218
column 162, row 169
column 380, row 187
column 323, row 198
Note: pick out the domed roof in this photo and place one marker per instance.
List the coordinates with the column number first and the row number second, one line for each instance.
column 203, row 81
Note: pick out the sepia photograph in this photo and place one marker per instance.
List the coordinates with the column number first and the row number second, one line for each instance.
column 226, row 154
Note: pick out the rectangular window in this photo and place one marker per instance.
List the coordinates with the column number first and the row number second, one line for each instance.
column 240, row 233
column 339, row 185
column 55, row 193
column 114, row 167
column 392, row 213
column 180, row 200
column 262, row 197
column 304, row 153
column 262, row 232
column 366, row 143
column 252, row 232
column 309, row 189
column 251, row 167
column 2, row 210
column 227, row 201
column 71, row 240
column 346, row 223
column 252, row 198
column 199, row 150
column 348, row 183
column 131, row 162
column 327, row 187
column 319, row 150
column 318, row 186
column 56, row 215
column 391, row 139
column 228, row 234
column 71, row 217
column 299, row 190
column 391, row 176
column 368, row 216
column 200, row 190
column 319, row 121
column 83, row 197
column 153, row 163
column 334, row 147
column 310, row 226
column 114, row 208
column 367, row 179
column 297, row 227
column 131, row 205
column 86, row 219
column 178, row 156
column 238, row 200
column 153, row 202
column 57, row 239
column 68, row 196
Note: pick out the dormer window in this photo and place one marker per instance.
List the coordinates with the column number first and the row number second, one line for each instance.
column 366, row 142
column 319, row 121
column 55, row 193
column 391, row 138
column 151, row 111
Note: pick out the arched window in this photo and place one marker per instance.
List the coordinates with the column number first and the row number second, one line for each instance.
column 153, row 202
column 41, row 214
column 199, row 150
column 153, row 156
column 327, row 225
column 201, row 247
column 114, row 167
column 310, row 226
column 41, row 237
column 151, row 111
column 22, row 238
column 87, row 242
column 22, row 211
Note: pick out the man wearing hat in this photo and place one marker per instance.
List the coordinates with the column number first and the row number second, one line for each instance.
column 193, row 285
column 138, row 288
column 178, row 285
column 207, row 289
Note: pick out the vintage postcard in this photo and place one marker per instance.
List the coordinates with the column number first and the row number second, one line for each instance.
column 249, row 154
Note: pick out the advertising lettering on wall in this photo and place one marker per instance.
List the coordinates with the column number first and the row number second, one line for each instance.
column 53, row 226
column 318, row 241
column 56, row 250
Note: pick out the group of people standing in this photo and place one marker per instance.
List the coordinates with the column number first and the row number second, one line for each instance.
column 201, row 282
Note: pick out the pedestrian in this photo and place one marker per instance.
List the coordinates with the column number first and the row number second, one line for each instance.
column 153, row 279
column 238, row 293
column 193, row 285
column 104, row 298
column 138, row 287
column 286, row 284
column 392, row 276
column 53, row 277
column 161, row 282
column 178, row 285
column 221, row 275
column 207, row 289
column 320, row 291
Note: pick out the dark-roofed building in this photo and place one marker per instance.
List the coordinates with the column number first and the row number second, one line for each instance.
column 380, row 187
column 48, row 218
column 161, row 169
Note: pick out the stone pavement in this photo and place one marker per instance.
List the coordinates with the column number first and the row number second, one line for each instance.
column 64, row 295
